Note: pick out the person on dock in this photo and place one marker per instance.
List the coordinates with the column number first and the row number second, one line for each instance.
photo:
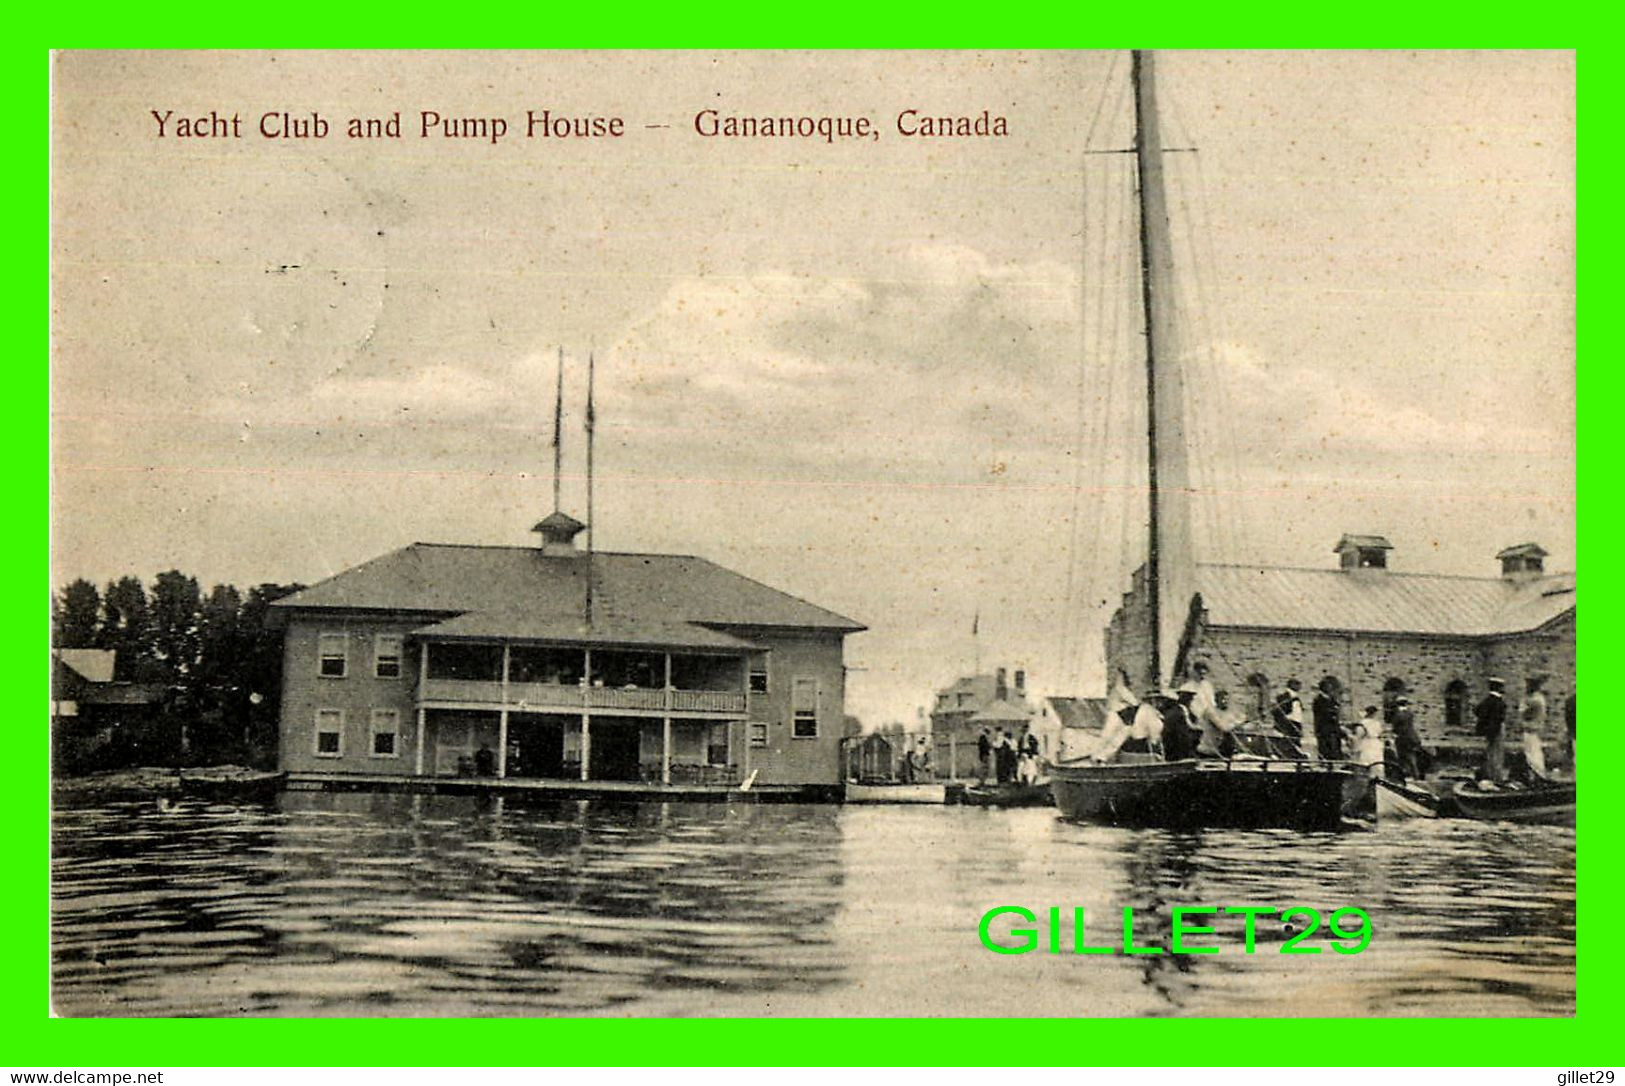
column 1368, row 748
column 1328, row 721
column 1491, row 714
column 1532, row 714
column 485, row 761
column 1005, row 758
column 1413, row 756
column 984, row 757
column 1568, row 723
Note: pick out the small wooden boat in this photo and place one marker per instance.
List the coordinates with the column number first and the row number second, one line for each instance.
column 232, row 784
column 1008, row 795
column 896, row 793
column 1258, row 793
column 1550, row 803
column 1396, row 801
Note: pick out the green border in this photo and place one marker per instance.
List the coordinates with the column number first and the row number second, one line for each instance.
column 36, row 1041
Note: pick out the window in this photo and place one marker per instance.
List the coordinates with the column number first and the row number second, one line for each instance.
column 758, row 735
column 386, row 733
column 717, row 745
column 454, row 660
column 386, row 656
column 329, row 733
column 332, row 649
column 1455, row 705
column 758, row 674
column 804, row 709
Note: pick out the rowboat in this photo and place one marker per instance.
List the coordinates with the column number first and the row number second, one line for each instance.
column 1547, row 804
column 895, row 793
column 1008, row 795
column 231, row 784
column 1139, row 790
column 1395, row 801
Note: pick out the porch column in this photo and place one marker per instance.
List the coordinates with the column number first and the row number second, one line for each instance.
column 422, row 712
column 586, row 718
column 423, row 681
column 586, row 744
column 665, row 750
column 953, row 758
column 502, row 720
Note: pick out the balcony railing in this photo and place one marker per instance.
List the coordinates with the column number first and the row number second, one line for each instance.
column 533, row 696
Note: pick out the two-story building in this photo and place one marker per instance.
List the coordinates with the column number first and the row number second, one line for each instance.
column 445, row 660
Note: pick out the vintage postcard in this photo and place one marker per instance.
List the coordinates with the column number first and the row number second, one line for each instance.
column 807, row 534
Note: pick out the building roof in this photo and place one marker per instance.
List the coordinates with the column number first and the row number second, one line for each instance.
column 1380, row 601
column 517, row 626
column 1002, row 712
column 1366, row 542
column 641, row 591
column 1532, row 550
column 93, row 665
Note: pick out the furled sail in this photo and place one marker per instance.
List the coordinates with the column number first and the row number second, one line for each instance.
column 1170, row 563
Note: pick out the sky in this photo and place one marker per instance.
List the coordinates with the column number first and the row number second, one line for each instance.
column 895, row 377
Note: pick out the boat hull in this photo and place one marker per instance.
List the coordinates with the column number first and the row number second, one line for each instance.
column 896, row 793
column 1009, row 795
column 1395, row 802
column 1547, row 805
column 1251, row 794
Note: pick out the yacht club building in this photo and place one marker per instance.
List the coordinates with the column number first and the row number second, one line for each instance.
column 443, row 660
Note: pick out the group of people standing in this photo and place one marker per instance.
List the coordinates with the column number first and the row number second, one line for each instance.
column 1006, row 759
column 1534, row 719
column 1198, row 721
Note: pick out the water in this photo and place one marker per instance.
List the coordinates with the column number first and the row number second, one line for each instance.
column 367, row 904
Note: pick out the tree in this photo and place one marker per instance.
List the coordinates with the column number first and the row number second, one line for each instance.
column 176, row 609
column 75, row 615
column 125, row 618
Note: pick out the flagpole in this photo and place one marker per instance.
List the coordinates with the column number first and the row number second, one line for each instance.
column 592, row 531
column 558, row 431
column 976, row 642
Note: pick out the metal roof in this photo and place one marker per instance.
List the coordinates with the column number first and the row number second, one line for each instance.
column 1379, row 601
column 642, row 589
column 514, row 626
column 95, row 665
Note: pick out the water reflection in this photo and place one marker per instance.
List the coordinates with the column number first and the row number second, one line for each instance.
column 366, row 904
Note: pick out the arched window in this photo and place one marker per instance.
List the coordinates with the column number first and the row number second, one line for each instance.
column 1455, row 705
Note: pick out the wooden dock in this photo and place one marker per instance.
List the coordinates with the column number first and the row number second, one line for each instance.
column 633, row 791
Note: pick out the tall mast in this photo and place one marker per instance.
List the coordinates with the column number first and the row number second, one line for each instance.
column 1168, row 559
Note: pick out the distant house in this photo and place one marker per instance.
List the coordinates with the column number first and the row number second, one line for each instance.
column 1374, row 631
column 92, row 714
column 972, row 703
column 437, row 660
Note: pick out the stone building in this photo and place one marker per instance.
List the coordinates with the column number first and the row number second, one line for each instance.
column 962, row 709
column 1376, row 631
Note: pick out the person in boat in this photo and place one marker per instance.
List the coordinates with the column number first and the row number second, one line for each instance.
column 1203, row 701
column 1287, row 711
column 984, row 757
column 1181, row 734
column 1532, row 714
column 1491, row 715
column 1412, row 755
column 1121, row 701
column 1368, row 748
column 1145, row 734
column 1328, row 721
column 1218, row 725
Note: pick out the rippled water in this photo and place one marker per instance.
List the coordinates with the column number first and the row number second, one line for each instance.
column 399, row 905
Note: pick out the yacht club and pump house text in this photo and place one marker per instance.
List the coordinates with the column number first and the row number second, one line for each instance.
column 547, row 125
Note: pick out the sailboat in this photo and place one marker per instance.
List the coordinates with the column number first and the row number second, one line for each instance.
column 1143, row 789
